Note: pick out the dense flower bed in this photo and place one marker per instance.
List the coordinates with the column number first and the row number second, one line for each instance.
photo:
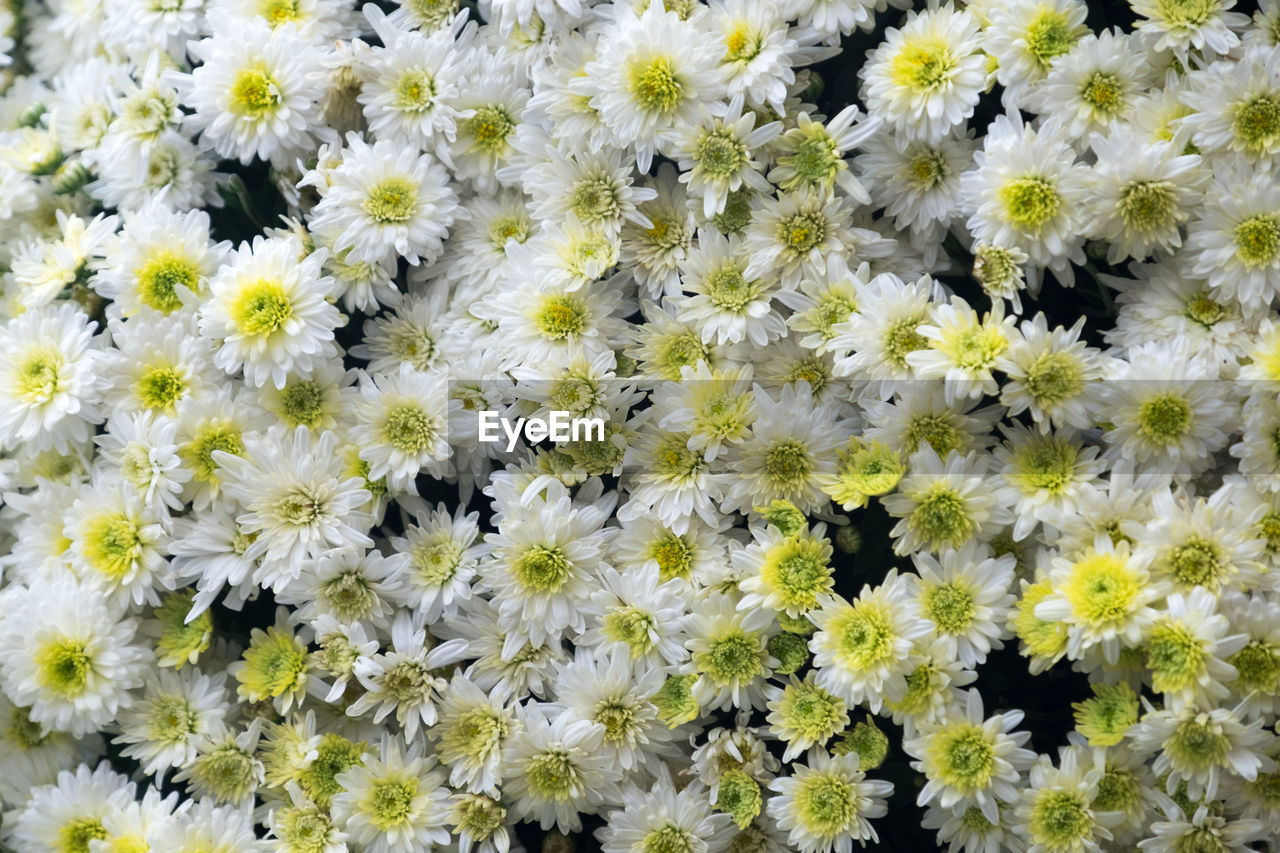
column 936, row 488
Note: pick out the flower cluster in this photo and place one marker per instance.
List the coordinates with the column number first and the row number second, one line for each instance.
column 919, row 370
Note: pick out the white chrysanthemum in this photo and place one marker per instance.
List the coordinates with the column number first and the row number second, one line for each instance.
column 926, row 77
column 759, row 50
column 48, row 385
column 1095, row 85
column 785, row 574
column 729, row 653
column 269, row 308
column 156, row 362
column 922, row 415
column 1186, row 647
column 1049, row 471
column 863, row 651
column 792, row 236
column 811, row 155
column 651, row 74
column 1200, row 747
column 69, row 656
column 209, row 549
column 394, row 800
column 873, row 343
column 827, row 803
column 966, row 596
column 1234, row 241
column 639, row 613
column 1025, row 36
column 117, row 542
column 947, row 502
column 172, row 165
column 442, row 556
column 174, row 711
column 70, row 811
column 1027, row 191
column 544, row 327
column 403, row 679
column 918, row 181
column 1202, row 25
column 385, row 199
column 1056, row 810
column 1199, row 542
column 254, row 93
column 680, row 819
column 1104, row 596
column 402, row 425
column 321, row 21
column 963, row 348
column 299, row 503
column 726, row 303
column 409, row 83
column 471, row 731
column 556, row 770
column 971, row 760
column 1052, row 374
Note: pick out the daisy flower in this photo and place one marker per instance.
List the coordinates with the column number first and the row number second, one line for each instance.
column 918, row 181
column 117, row 542
column 1234, row 241
column 1104, row 595
column 670, row 481
column 1050, row 472
column 1056, row 809
column 1201, row 747
column 1095, row 85
column 651, row 74
column 946, row 502
column 827, row 803
column 72, row 809
column 48, row 386
column 544, row 326
column 1186, row 647
column 792, row 236
column 384, row 199
column 1027, row 191
column 268, row 312
column 718, row 155
column 786, row 574
column 299, row 503
column 966, row 596
column 254, row 93
column 1257, row 662
column 802, row 715
column 729, row 653
column 963, row 348
column 664, row 815
column 1025, row 36
column 1198, row 542
column 557, row 772
column 721, row 298
column 639, row 612
column 402, row 425
column 926, row 77
column 1205, row 25
column 595, row 187
column 393, row 800
column 863, row 650
column 1140, row 203
column 69, row 656
column 811, row 155
column 495, row 102
column 873, row 343
column 175, row 710
column 1052, row 374
column 403, row 678
column 970, row 760
column 759, row 51
column 470, row 733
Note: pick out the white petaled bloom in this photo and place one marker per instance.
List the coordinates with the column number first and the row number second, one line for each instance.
column 442, row 557
column 863, row 651
column 966, row 595
column 720, row 155
column 175, row 710
column 792, row 444
column 117, row 542
column 385, row 199
column 792, row 236
column 254, row 93
column 1103, row 595
column 1235, row 106
column 1139, row 204
column 410, row 83
column 555, row 769
column 1186, row 647
column 1051, row 374
column 299, row 502
column 268, row 307
column 665, row 818
column 729, row 653
column 670, row 481
column 803, row 715
column 639, row 612
column 1167, row 410
column 393, row 800
column 593, row 186
column 827, row 803
column 721, row 298
column 759, row 49
column 402, row 425
column 918, row 181
column 209, row 549
column 1234, row 241
column 160, row 259
column 970, row 760
column 963, row 348
column 402, row 679
column 549, row 326
column 48, row 385
column 1257, row 663
column 156, row 362
column 811, row 155
column 1095, row 85
column 947, row 502
column 1025, row 36
column 69, row 656
column 1027, row 191
column 1201, row 747
column 651, row 74
column 1203, row 827
column 1057, row 810
column 1202, row 25
column 471, row 731
column 1050, row 472
column 926, row 77
column 786, row 574
column 873, row 343
column 542, row 567
column 71, row 808
column 611, row 691
column 353, row 586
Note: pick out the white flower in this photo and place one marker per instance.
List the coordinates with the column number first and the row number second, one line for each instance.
column 1200, row 746
column 78, row 801
column 254, row 93
column 1025, row 36
column 1205, row 26
column 299, row 504
column 470, row 734
column 1234, row 241
column 729, row 653
column 68, row 655
column 827, row 803
column 651, row 74
column 402, row 425
column 268, row 307
column 721, row 298
column 682, row 819
column 176, row 709
column 926, row 77
column 402, row 679
column 382, row 199
column 393, row 800
column 1095, row 85
column 946, row 502
column 117, row 542
column 48, row 383
column 966, row 596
